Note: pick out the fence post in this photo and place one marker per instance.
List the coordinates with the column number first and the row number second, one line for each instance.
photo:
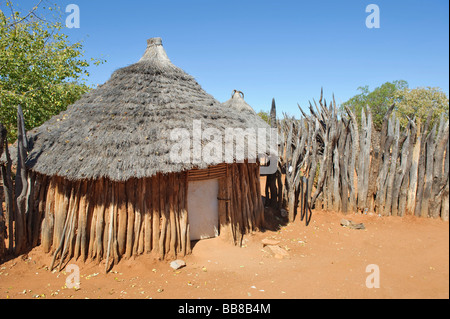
column 21, row 186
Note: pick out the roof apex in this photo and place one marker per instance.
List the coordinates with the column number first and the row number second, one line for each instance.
column 155, row 52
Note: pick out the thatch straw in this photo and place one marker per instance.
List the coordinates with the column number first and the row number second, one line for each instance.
column 122, row 129
column 238, row 105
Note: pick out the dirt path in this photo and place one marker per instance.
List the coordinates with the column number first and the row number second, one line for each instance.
column 325, row 260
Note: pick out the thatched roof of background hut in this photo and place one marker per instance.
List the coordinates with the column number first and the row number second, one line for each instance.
column 122, row 129
column 237, row 104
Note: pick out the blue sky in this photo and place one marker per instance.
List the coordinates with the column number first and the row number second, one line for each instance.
column 285, row 50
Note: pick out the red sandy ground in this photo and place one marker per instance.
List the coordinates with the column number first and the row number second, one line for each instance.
column 325, row 260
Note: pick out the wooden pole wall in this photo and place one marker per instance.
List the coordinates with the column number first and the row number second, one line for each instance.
column 104, row 220
column 112, row 220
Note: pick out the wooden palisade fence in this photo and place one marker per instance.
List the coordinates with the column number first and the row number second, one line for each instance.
column 351, row 167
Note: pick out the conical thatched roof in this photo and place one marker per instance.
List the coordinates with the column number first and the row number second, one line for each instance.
column 238, row 105
column 122, row 129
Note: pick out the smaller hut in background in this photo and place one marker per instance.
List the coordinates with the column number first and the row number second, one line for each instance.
column 267, row 138
column 237, row 104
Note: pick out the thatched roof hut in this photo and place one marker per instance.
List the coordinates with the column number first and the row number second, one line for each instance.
column 238, row 105
column 118, row 173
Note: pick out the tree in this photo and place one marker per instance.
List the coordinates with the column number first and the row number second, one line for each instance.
column 39, row 69
column 419, row 102
column 265, row 116
column 379, row 100
column 409, row 103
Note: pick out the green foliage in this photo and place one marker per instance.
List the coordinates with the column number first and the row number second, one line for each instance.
column 39, row 69
column 379, row 100
column 265, row 116
column 419, row 102
column 409, row 103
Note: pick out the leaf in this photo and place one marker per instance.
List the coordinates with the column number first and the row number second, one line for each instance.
column 40, row 69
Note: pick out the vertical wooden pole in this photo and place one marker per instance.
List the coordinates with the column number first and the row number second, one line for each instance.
column 33, row 183
column 131, row 200
column 439, row 175
column 337, row 204
column 246, row 216
column 230, row 203
column 413, row 175
column 403, row 195
column 100, row 223
column 21, row 186
column 45, row 183
column 122, row 217
column 252, row 194
column 223, row 199
column 364, row 159
column 177, row 207
column 86, row 228
column 354, row 131
column 148, row 215
column 382, row 176
column 445, row 194
column 173, row 189
column 392, row 170
column 378, row 149
column 68, row 236
column 238, row 211
column 110, row 226
column 48, row 222
column 60, row 246
column 7, row 187
column 343, row 148
column 422, row 166
column 162, row 209
column 430, row 148
column 92, row 218
column 445, row 202
column 259, row 197
column 62, row 200
column 138, row 247
column 82, row 217
column 115, row 242
column 167, row 215
column 183, row 213
column 156, row 212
